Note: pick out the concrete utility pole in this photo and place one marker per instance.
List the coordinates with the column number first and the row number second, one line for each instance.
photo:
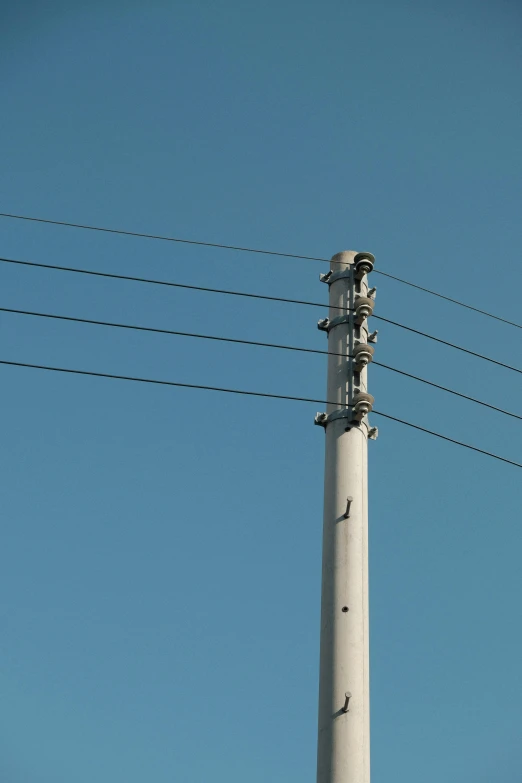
column 344, row 687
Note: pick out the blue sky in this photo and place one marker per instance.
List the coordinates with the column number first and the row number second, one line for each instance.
column 160, row 562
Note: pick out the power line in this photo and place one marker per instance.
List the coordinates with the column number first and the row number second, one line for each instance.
column 446, row 389
column 154, row 281
column 238, row 341
column 162, row 238
column 249, row 250
column 450, row 345
column 448, row 298
column 248, row 393
column 254, row 296
column 162, row 331
column 445, row 437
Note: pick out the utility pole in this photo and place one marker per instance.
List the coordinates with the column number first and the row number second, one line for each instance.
column 344, row 685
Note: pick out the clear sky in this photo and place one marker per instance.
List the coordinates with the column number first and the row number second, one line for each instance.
column 160, row 558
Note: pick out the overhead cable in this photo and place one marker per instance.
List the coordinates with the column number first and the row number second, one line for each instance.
column 238, row 341
column 136, row 379
column 447, row 298
column 160, row 237
column 444, row 437
column 446, row 389
column 450, row 345
column 253, row 296
column 159, row 331
column 249, row 250
column 154, row 281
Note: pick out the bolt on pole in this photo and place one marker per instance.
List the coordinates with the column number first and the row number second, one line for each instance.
column 343, row 754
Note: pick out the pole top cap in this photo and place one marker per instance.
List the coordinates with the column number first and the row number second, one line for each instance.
column 345, row 257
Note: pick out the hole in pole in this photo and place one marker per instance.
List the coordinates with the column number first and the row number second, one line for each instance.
column 344, row 609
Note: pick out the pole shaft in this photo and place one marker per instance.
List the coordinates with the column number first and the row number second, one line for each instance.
column 344, row 703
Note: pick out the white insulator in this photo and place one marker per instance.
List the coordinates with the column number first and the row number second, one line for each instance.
column 363, row 309
column 363, row 355
column 364, row 263
column 362, row 405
